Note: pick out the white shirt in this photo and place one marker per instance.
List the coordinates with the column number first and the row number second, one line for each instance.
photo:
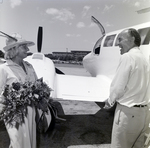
column 130, row 85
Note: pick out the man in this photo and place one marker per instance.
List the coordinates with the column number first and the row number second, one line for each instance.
column 129, row 89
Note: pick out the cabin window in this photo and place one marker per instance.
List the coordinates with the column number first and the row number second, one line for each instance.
column 109, row 40
column 145, row 35
column 97, row 46
column 117, row 41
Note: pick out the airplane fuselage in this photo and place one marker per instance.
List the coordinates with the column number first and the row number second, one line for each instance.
column 107, row 59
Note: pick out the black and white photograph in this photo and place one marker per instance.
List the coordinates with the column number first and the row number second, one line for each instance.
column 75, row 73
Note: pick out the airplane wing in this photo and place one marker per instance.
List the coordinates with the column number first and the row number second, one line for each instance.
column 82, row 88
column 70, row 87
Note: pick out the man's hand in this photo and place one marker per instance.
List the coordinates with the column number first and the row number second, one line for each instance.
column 107, row 105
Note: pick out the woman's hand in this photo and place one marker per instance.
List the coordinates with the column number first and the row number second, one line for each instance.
column 2, row 100
column 2, row 106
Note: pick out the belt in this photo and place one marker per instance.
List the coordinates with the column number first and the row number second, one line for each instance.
column 139, row 105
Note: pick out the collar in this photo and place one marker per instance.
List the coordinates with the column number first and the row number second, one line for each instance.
column 134, row 49
column 11, row 63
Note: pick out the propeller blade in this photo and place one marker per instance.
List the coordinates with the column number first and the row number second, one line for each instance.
column 39, row 39
column 99, row 24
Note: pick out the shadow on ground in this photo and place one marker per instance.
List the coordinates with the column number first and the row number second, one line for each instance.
column 76, row 130
column 79, row 130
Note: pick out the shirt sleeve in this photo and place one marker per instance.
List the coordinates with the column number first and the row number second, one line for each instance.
column 120, row 80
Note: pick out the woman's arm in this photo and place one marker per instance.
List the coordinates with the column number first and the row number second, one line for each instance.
column 2, row 85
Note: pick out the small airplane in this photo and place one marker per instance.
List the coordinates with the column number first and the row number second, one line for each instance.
column 101, row 63
column 68, row 87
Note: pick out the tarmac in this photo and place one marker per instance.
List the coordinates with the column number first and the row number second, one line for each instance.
column 77, row 131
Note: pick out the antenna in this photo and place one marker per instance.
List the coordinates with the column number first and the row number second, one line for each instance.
column 99, row 24
column 6, row 35
column 145, row 10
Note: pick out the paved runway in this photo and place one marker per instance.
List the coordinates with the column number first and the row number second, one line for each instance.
column 78, row 131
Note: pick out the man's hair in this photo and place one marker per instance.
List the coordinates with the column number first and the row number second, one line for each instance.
column 134, row 33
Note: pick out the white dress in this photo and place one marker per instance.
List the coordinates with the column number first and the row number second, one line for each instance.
column 25, row 135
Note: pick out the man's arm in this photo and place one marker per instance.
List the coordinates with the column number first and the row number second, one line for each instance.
column 120, row 81
column 107, row 105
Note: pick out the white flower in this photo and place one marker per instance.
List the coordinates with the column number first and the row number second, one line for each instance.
column 36, row 96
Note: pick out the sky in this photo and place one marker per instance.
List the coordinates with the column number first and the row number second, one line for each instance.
column 67, row 24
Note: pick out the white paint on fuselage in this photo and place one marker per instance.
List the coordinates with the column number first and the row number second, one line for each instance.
column 107, row 61
column 44, row 68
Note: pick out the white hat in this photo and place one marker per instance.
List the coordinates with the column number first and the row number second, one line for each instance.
column 14, row 40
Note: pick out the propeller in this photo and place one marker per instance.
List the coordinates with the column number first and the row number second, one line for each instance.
column 39, row 38
column 39, row 45
column 99, row 25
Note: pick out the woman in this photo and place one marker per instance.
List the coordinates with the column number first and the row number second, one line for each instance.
column 17, row 70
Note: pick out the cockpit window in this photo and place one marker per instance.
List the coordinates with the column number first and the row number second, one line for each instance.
column 145, row 35
column 109, row 40
column 117, row 41
column 97, row 46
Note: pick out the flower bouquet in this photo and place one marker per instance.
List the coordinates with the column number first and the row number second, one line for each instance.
column 18, row 96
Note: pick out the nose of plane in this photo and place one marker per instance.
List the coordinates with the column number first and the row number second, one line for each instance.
column 86, row 62
column 90, row 64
